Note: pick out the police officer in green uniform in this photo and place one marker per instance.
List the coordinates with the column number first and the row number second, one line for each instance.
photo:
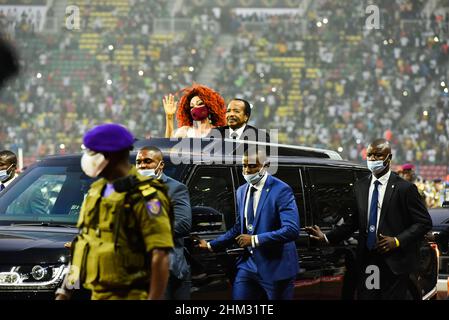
column 125, row 236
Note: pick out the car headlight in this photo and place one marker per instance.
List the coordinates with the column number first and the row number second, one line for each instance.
column 38, row 277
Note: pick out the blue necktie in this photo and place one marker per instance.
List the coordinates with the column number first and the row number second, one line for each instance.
column 372, row 222
column 2, row 186
column 250, row 211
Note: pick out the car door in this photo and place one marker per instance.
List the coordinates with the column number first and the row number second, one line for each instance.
column 332, row 201
column 307, row 284
column 212, row 197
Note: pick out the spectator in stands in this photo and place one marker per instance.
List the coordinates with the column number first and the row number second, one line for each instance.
column 200, row 110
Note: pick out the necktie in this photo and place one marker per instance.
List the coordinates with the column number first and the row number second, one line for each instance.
column 250, row 211
column 372, row 222
column 2, row 186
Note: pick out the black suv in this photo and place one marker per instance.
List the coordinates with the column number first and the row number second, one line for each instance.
column 39, row 209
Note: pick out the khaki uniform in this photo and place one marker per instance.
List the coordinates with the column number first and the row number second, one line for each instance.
column 111, row 255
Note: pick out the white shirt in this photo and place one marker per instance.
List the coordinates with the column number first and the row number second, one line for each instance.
column 239, row 131
column 8, row 182
column 259, row 188
column 381, row 188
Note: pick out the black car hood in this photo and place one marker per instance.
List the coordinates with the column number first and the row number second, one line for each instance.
column 34, row 245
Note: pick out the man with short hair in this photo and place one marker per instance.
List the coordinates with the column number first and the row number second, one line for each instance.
column 392, row 220
column 150, row 163
column 267, row 225
column 238, row 113
column 8, row 166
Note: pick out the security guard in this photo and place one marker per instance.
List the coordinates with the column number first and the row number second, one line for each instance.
column 125, row 234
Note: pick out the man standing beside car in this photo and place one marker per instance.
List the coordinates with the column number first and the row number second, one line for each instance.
column 8, row 166
column 392, row 220
column 125, row 234
column 150, row 163
column 267, row 225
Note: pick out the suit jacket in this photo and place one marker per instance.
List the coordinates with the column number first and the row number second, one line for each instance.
column 277, row 226
column 260, row 135
column 180, row 199
column 403, row 215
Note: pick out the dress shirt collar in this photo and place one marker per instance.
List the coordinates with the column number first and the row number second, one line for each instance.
column 239, row 131
column 383, row 180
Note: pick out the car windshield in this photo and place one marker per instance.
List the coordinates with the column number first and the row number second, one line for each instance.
column 50, row 195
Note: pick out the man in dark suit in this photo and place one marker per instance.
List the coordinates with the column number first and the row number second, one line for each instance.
column 392, row 220
column 237, row 117
column 150, row 162
column 267, row 225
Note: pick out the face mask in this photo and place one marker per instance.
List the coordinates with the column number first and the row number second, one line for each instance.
column 255, row 177
column 150, row 172
column 4, row 175
column 377, row 166
column 92, row 165
column 199, row 113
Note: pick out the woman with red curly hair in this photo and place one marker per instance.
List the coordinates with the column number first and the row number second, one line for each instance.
column 200, row 110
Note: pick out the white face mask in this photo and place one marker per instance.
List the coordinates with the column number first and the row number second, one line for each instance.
column 4, row 175
column 92, row 165
column 254, row 178
column 377, row 166
column 150, row 172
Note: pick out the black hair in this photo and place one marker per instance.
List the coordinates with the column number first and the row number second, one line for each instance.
column 8, row 156
column 247, row 106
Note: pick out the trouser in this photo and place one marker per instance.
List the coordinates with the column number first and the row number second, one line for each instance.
column 178, row 289
column 250, row 286
column 378, row 282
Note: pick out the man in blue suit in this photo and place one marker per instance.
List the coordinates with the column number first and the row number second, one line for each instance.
column 150, row 162
column 267, row 225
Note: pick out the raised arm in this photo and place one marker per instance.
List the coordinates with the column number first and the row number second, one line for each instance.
column 170, row 110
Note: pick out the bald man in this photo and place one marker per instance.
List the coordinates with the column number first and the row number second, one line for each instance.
column 392, row 220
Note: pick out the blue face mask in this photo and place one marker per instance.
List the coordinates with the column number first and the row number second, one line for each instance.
column 4, row 175
column 255, row 177
column 377, row 166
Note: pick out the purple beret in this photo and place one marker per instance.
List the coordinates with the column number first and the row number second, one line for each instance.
column 408, row 166
column 110, row 137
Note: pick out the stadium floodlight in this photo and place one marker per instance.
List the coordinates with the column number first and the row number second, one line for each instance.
column 443, row 84
column 111, row 47
column 446, row 90
column 39, row 75
column 319, row 24
column 191, row 69
column 405, row 93
column 436, row 39
column 140, row 73
column 425, row 113
column 62, row 146
column 109, row 81
column 274, row 89
column 262, row 99
column 385, row 42
column 325, row 20
column 340, row 149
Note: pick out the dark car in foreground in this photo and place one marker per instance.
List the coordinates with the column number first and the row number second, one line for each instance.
column 39, row 210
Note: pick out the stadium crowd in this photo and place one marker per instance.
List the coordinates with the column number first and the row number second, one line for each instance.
column 332, row 84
